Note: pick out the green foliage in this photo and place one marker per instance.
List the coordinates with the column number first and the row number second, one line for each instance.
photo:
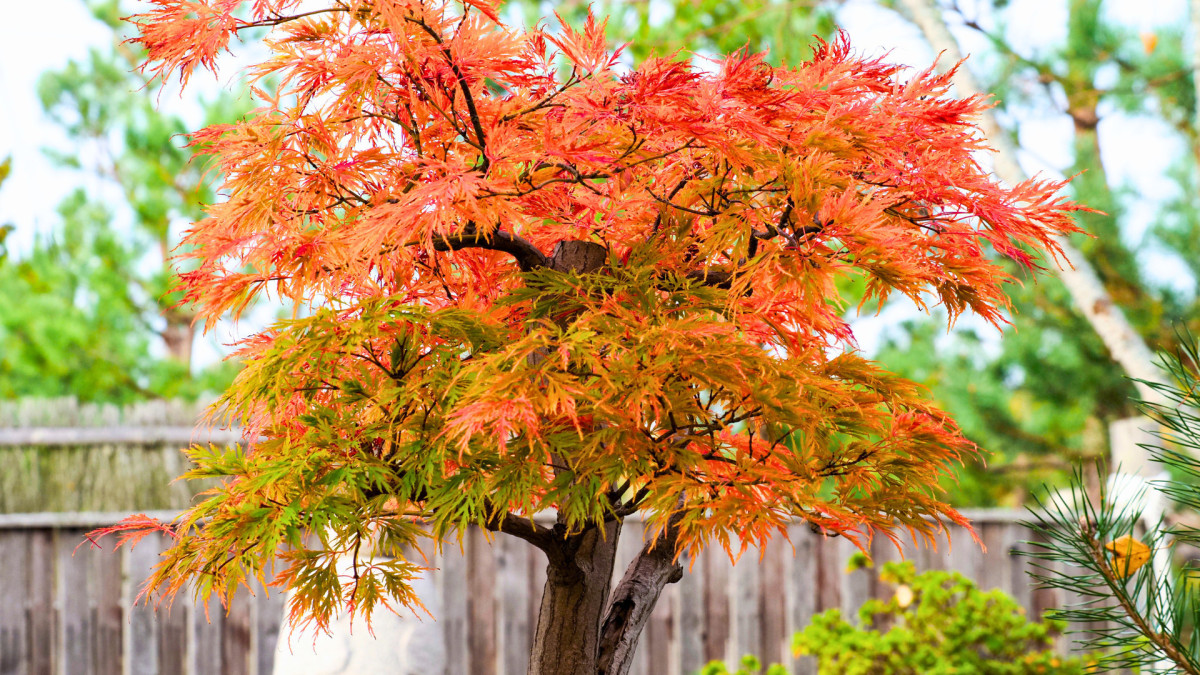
column 937, row 623
column 5, row 229
column 749, row 666
column 67, row 322
column 90, row 310
column 71, row 324
column 1034, row 402
column 1152, row 617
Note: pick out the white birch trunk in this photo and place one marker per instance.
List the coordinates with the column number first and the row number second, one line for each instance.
column 1194, row 16
column 1124, row 343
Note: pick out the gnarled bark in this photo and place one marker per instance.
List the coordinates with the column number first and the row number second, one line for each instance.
column 634, row 599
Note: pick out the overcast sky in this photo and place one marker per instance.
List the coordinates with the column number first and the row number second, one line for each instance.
column 44, row 35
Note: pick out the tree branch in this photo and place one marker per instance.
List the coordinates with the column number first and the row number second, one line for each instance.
column 521, row 527
column 527, row 255
column 634, row 599
column 465, row 87
column 1163, row 641
column 715, row 278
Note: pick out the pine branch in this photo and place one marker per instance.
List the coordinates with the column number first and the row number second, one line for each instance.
column 1160, row 639
column 1143, row 618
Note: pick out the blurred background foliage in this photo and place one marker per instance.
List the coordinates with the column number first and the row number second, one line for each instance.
column 1044, row 396
column 88, row 311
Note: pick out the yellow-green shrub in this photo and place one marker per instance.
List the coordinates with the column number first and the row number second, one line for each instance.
column 935, row 623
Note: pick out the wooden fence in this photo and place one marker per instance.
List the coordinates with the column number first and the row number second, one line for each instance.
column 72, row 614
column 60, row 455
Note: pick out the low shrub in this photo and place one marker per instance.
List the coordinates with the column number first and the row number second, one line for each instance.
column 934, row 623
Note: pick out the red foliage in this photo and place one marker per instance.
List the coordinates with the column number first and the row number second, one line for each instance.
column 130, row 530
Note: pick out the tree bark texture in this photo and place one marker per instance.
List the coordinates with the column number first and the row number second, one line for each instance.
column 633, row 601
column 580, row 566
column 179, row 335
column 578, row 256
column 1090, row 297
column 578, row 578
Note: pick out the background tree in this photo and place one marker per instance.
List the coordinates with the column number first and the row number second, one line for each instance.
column 1046, row 393
column 89, row 312
column 598, row 292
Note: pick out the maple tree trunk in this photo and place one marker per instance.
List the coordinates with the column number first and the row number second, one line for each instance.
column 578, row 578
column 580, row 567
column 580, row 629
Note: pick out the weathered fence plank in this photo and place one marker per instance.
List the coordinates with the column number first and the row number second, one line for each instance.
column 453, row 582
column 746, row 633
column 107, row 591
column 512, row 581
column 772, row 605
column 660, row 637
column 800, row 587
column 144, row 657
column 268, row 612
column 14, row 628
column 75, row 618
column 717, row 570
column 235, row 638
column 481, row 604
column 40, row 603
column 690, row 613
column 207, row 629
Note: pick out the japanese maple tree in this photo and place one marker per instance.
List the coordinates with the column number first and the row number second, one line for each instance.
column 535, row 279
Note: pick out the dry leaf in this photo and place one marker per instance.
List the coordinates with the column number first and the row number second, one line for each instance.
column 1129, row 555
column 1149, row 41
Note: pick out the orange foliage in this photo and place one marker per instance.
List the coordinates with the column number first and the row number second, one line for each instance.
column 409, row 181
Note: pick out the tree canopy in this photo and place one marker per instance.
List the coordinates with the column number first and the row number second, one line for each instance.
column 536, row 278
